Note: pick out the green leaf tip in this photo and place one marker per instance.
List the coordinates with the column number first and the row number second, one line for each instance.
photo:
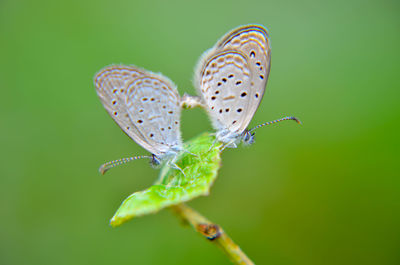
column 200, row 164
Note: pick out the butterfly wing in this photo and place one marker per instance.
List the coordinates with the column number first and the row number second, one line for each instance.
column 154, row 108
column 141, row 102
column 224, row 81
column 252, row 43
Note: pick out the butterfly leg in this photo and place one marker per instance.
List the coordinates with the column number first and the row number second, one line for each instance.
column 186, row 151
column 172, row 164
column 213, row 144
column 230, row 144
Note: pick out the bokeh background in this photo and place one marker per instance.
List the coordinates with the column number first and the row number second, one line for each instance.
column 326, row 192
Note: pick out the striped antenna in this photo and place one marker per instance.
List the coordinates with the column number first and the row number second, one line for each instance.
column 275, row 121
column 105, row 167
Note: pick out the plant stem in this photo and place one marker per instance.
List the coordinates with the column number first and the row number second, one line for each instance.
column 213, row 233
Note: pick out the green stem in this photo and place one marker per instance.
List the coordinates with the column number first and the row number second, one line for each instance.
column 213, row 232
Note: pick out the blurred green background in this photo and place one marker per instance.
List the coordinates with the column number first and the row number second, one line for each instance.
column 326, row 192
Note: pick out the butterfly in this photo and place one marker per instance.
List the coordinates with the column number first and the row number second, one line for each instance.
column 146, row 106
column 231, row 78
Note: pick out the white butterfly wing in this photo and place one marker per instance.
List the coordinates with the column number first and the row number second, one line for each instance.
column 252, row 41
column 252, row 44
column 154, row 107
column 224, row 81
column 122, row 89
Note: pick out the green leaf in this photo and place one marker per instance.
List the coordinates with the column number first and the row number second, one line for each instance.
column 200, row 164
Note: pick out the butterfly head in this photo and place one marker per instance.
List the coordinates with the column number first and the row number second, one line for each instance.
column 155, row 161
column 248, row 137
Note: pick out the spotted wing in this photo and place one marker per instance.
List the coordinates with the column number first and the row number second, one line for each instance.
column 154, row 108
column 252, row 43
column 224, row 81
column 116, row 88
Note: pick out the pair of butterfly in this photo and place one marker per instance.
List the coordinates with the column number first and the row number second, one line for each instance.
column 230, row 78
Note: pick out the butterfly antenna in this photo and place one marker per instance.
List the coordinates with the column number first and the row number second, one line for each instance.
column 275, row 121
column 105, row 167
